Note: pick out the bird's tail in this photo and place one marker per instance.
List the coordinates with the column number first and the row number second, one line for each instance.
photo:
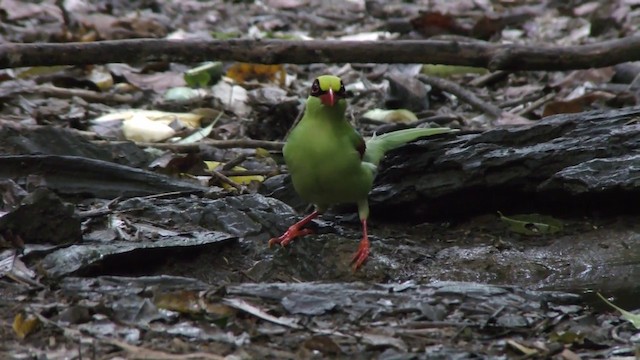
column 377, row 146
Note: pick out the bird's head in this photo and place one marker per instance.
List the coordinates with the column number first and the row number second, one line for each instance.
column 329, row 90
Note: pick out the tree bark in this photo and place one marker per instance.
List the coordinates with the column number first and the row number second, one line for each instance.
column 566, row 164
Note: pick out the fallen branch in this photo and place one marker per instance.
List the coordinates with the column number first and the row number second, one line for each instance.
column 139, row 352
column 271, row 172
column 78, row 176
column 89, row 95
column 195, row 147
column 551, row 166
column 463, row 94
column 472, row 53
column 536, row 104
column 225, row 180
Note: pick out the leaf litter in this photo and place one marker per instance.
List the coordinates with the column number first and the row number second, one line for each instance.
column 109, row 240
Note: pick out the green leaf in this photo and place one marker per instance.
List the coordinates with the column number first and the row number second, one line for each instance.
column 201, row 133
column 221, row 35
column 532, row 224
column 204, row 75
column 450, row 70
column 630, row 317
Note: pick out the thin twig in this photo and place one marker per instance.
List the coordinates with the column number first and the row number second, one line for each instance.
column 224, row 179
column 234, row 162
column 530, row 97
column 251, row 172
column 138, row 352
column 536, row 104
column 490, row 78
column 463, row 94
column 65, row 93
column 295, row 122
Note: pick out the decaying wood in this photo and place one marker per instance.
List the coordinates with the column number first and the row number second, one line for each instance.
column 74, row 175
column 472, row 53
column 567, row 163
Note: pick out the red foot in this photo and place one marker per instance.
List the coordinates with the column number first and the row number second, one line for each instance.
column 361, row 255
column 363, row 249
column 294, row 231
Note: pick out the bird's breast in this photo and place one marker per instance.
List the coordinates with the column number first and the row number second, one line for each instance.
column 325, row 172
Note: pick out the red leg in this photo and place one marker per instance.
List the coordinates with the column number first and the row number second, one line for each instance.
column 294, row 230
column 363, row 250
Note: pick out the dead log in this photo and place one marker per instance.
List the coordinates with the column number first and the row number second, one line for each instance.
column 566, row 164
column 78, row 176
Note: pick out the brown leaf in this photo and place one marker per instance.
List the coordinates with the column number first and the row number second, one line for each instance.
column 493, row 23
column 586, row 8
column 569, row 355
column 563, row 107
column 175, row 164
column 507, row 118
column 579, row 77
column 158, row 82
column 576, row 105
column 323, row 344
column 110, row 27
column 433, row 23
column 18, row 10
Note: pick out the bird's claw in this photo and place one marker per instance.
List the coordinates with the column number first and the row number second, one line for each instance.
column 288, row 236
column 361, row 255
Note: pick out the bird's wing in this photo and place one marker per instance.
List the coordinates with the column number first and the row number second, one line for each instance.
column 358, row 142
column 377, row 146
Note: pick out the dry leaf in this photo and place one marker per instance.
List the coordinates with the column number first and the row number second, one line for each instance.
column 433, row 23
column 23, row 325
column 245, row 72
column 242, row 180
column 575, row 105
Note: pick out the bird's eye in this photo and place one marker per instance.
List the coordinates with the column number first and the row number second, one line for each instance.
column 315, row 88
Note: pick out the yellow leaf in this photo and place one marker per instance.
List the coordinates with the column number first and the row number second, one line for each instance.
column 141, row 128
column 40, row 70
column 24, row 326
column 190, row 120
column 244, row 72
column 450, row 70
column 262, row 153
column 150, row 125
column 242, row 180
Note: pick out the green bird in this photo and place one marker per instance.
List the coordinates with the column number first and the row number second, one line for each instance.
column 329, row 161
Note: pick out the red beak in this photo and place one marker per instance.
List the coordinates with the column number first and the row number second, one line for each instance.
column 328, row 99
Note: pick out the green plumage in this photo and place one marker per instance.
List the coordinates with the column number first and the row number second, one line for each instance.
column 322, row 152
column 329, row 161
column 377, row 146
